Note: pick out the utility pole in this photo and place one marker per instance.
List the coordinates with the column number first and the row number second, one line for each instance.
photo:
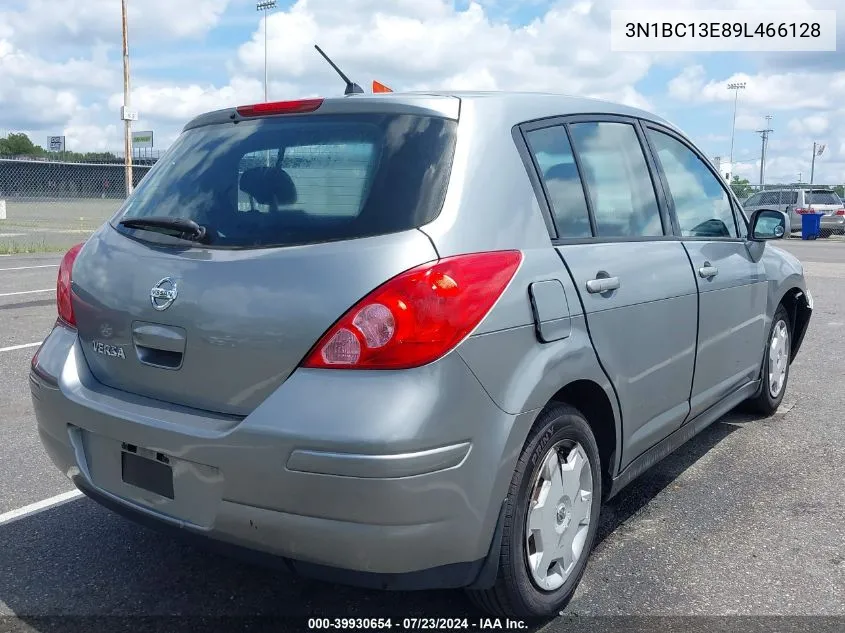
column 126, row 114
column 764, row 134
column 736, row 87
column 800, row 175
column 265, row 6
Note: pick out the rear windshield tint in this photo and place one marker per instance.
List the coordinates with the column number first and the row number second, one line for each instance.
column 298, row 180
column 823, row 197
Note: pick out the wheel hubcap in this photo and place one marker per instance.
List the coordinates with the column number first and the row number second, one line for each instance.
column 558, row 515
column 778, row 358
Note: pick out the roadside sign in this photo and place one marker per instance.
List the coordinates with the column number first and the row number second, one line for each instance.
column 57, row 143
column 142, row 139
column 128, row 115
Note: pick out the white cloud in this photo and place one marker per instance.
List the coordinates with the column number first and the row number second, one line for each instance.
column 813, row 125
column 46, row 23
column 412, row 44
column 60, row 65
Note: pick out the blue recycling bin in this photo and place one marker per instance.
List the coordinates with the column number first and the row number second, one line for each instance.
column 811, row 225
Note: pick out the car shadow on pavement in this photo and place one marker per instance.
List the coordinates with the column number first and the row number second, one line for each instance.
column 632, row 499
column 79, row 559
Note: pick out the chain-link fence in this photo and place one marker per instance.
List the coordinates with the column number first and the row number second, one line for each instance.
column 798, row 200
column 49, row 205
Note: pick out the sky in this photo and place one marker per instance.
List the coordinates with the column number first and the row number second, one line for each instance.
column 61, row 67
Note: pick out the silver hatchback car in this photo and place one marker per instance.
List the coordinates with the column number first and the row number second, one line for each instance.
column 412, row 341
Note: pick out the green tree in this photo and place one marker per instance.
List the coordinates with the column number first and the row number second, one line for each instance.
column 19, row 144
column 741, row 187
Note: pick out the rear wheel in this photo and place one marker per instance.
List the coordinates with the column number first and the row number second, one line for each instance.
column 550, row 519
column 775, row 365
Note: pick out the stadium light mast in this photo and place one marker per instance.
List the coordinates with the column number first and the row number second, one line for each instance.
column 126, row 113
column 736, row 87
column 265, row 6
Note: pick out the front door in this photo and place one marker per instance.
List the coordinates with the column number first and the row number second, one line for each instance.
column 730, row 274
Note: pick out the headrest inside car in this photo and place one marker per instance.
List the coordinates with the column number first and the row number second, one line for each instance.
column 268, row 185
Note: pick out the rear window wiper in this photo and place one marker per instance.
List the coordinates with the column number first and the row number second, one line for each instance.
column 186, row 229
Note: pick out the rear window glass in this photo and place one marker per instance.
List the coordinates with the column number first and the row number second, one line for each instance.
column 823, row 197
column 298, row 180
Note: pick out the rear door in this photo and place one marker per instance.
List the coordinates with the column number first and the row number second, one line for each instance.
column 729, row 270
column 633, row 278
column 305, row 214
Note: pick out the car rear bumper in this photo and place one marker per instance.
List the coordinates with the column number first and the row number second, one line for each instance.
column 833, row 222
column 393, row 479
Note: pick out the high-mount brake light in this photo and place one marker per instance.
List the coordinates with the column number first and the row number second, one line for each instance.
column 418, row 316
column 299, row 106
column 63, row 287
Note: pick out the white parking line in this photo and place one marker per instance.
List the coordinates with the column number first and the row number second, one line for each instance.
column 29, row 267
column 52, row 502
column 25, row 292
column 24, row 346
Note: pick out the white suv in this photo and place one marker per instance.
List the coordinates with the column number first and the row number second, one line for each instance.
column 797, row 202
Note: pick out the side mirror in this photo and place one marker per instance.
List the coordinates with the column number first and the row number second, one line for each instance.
column 767, row 225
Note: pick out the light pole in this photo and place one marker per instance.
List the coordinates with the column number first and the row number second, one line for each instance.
column 736, row 87
column 816, row 152
column 265, row 6
column 126, row 114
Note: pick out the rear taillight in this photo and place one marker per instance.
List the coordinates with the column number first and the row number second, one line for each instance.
column 803, row 211
column 839, row 212
column 299, row 106
column 418, row 316
column 63, row 289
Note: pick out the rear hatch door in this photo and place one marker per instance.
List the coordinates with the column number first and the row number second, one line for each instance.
column 304, row 215
column 823, row 201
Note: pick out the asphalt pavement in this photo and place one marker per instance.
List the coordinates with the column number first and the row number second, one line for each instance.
column 746, row 519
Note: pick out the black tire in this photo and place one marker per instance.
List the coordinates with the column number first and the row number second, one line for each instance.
column 764, row 402
column 514, row 593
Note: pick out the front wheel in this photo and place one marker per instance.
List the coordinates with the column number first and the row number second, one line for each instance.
column 550, row 521
column 775, row 365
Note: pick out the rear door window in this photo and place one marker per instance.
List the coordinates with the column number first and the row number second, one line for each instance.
column 770, row 198
column 618, row 181
column 282, row 181
column 553, row 155
column 788, row 197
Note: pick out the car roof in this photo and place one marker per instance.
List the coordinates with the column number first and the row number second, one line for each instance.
column 509, row 107
column 526, row 103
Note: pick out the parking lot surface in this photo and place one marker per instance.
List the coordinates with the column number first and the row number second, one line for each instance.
column 746, row 519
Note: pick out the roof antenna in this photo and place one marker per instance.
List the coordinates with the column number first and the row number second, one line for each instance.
column 351, row 87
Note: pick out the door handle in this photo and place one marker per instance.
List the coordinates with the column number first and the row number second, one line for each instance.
column 708, row 271
column 602, row 285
